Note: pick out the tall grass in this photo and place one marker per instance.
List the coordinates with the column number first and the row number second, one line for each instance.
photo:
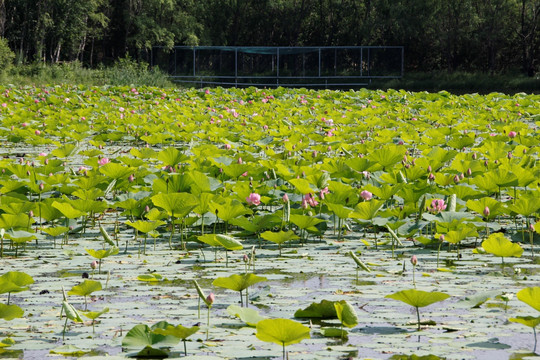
column 124, row 72
column 461, row 82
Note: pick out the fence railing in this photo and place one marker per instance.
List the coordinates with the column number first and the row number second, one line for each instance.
column 328, row 66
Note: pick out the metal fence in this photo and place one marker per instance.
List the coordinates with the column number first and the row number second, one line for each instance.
column 329, row 66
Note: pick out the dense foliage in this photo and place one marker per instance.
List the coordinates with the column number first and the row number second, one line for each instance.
column 486, row 35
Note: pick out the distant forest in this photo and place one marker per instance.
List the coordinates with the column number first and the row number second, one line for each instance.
column 490, row 36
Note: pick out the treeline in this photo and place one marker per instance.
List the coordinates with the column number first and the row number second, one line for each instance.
column 464, row 35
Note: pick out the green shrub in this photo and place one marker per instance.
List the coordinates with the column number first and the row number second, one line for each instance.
column 6, row 55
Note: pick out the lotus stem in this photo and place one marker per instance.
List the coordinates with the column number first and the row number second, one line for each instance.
column 283, row 343
column 418, row 317
column 185, row 347
column 208, row 322
column 241, row 299
column 64, row 331
column 535, row 340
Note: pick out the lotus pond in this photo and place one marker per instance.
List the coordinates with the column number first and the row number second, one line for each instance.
column 258, row 224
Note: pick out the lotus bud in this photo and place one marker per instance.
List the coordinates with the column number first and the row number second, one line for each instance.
column 414, row 260
column 146, row 208
column 46, row 161
column 512, row 134
column 474, row 156
column 429, row 169
column 456, row 179
column 486, row 211
column 245, row 258
column 285, row 198
column 210, row 299
column 366, row 195
column 41, row 187
column 94, row 264
column 531, row 227
column 31, row 213
column 131, row 178
column 469, row 172
column 28, row 173
column 37, row 132
column 461, row 176
column 441, row 237
column 509, row 155
column 486, row 163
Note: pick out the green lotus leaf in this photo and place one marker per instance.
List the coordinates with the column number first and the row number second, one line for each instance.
column 334, row 332
column 229, row 209
column 145, row 226
column 171, row 156
column 85, row 288
column 55, row 231
column 202, row 296
column 178, row 331
column 71, row 313
column 92, row 315
column 279, row 237
column 463, row 232
column 248, row 315
column 175, row 204
column 69, row 350
column 141, row 336
column 498, row 245
column 282, row 331
column 15, row 281
column 102, row 253
column 154, row 277
column 418, row 298
column 238, row 282
column 68, row 210
column 305, row 222
column 346, row 314
column 303, row 186
column 10, row 312
column 324, row 310
column 359, row 262
column 529, row 321
column 367, row 210
column 495, row 207
column 116, row 171
column 530, row 296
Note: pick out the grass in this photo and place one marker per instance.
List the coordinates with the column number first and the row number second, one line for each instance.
column 461, row 83
column 126, row 72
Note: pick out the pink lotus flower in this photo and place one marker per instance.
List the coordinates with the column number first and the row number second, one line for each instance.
column 37, row 132
column 486, row 211
column 253, row 199
column 310, row 200
column 42, row 154
column 227, row 146
column 103, row 161
column 437, row 205
column 366, row 195
column 512, row 134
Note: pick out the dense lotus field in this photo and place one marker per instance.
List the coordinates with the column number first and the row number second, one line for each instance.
column 250, row 223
